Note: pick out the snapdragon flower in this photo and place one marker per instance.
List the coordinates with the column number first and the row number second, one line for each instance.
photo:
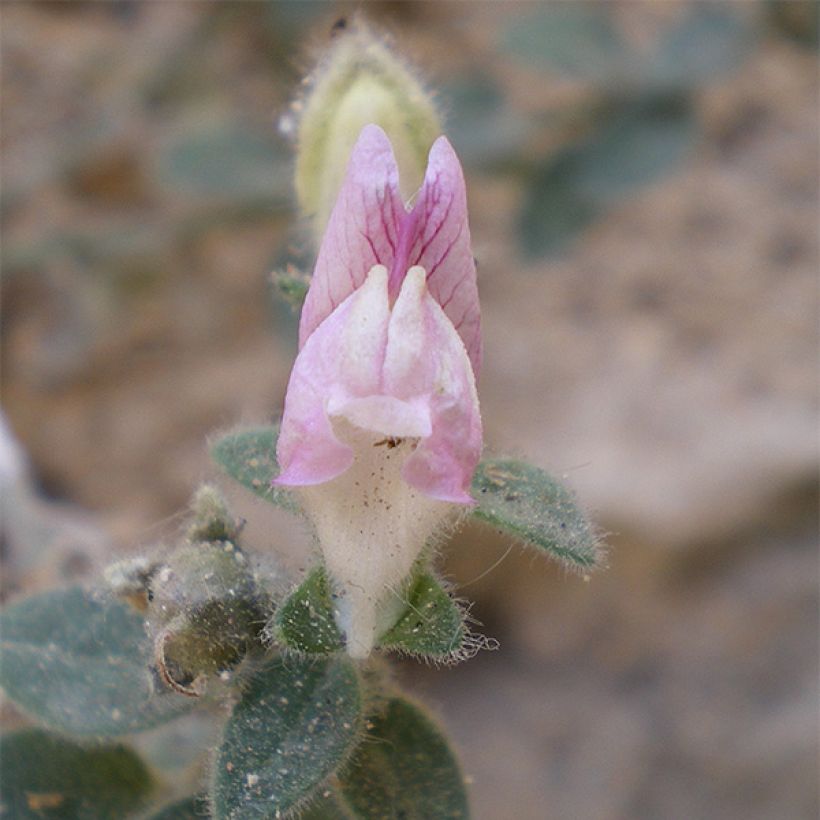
column 381, row 431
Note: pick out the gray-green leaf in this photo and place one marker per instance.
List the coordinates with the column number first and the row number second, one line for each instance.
column 80, row 664
column 404, row 769
column 44, row 776
column 297, row 722
column 305, row 620
column 532, row 505
column 249, row 457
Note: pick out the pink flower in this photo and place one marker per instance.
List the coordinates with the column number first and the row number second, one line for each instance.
column 381, row 425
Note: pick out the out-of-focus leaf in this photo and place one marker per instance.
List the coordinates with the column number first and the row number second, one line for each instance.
column 483, row 129
column 227, row 163
column 305, row 621
column 294, row 726
column 291, row 18
column 404, row 768
column 249, row 457
column 553, row 211
column 633, row 147
column 577, row 39
column 636, row 146
column 711, row 39
column 582, row 41
column 44, row 776
column 81, row 665
column 530, row 504
column 799, row 20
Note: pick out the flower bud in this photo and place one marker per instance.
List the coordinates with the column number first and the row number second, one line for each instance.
column 359, row 82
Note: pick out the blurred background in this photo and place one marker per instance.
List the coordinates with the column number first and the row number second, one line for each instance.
column 643, row 184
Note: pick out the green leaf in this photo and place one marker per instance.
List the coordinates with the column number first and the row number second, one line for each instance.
column 404, row 768
column 44, row 776
column 80, row 664
column 305, row 620
column 433, row 625
column 190, row 808
column 294, row 726
column 249, row 457
column 530, row 504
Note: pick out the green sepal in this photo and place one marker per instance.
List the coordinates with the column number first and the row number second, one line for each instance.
column 249, row 457
column 530, row 504
column 45, row 776
column 404, row 768
column 295, row 724
column 80, row 664
column 432, row 626
column 305, row 621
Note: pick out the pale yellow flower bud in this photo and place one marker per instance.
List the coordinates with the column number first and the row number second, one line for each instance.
column 359, row 82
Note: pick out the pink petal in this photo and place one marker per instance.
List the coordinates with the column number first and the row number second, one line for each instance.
column 426, row 357
column 441, row 245
column 362, row 230
column 342, row 359
column 404, row 373
column 370, row 225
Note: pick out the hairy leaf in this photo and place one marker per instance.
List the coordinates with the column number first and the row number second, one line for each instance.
column 294, row 726
column 81, row 664
column 249, row 457
column 532, row 505
column 404, row 768
column 44, row 776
